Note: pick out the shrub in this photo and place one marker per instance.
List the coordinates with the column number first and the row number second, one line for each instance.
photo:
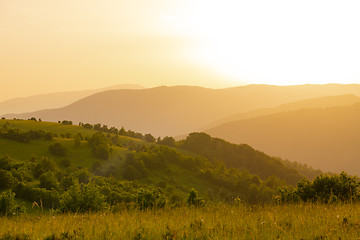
column 194, row 200
column 48, row 136
column 48, row 198
column 323, row 188
column 66, row 122
column 101, row 151
column 150, row 198
column 67, row 181
column 45, row 165
column 6, row 179
column 48, row 181
column 57, row 149
column 8, row 205
column 82, row 198
column 149, row 138
column 83, row 175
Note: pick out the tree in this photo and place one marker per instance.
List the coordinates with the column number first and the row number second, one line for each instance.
column 88, row 126
column 57, row 149
column 48, row 181
column 67, row 181
column 168, row 141
column 149, row 138
column 8, row 205
column 67, row 122
column 83, row 198
column 99, row 146
column 45, row 165
column 6, row 179
column 101, row 151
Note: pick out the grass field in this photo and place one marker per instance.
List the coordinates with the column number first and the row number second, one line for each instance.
column 303, row 221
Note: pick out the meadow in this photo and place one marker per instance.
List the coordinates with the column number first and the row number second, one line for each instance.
column 83, row 199
column 222, row 221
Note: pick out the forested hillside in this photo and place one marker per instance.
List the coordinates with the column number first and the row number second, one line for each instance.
column 63, row 166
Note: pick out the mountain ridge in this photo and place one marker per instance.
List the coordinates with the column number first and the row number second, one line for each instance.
column 325, row 138
column 178, row 110
column 52, row 100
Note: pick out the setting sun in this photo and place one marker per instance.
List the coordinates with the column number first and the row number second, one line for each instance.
column 275, row 42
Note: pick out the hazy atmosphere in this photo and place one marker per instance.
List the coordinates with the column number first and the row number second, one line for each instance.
column 179, row 119
column 52, row 46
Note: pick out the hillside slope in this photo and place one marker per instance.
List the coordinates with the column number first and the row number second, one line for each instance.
column 182, row 109
column 74, row 152
column 323, row 138
column 52, row 100
column 323, row 102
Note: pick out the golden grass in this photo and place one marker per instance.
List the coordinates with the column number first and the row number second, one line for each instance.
column 303, row 221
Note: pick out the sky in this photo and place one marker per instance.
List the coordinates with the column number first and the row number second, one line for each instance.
column 53, row 46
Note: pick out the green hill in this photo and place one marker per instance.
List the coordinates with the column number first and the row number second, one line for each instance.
column 47, row 162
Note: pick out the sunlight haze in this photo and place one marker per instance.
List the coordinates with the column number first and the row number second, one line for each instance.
column 49, row 46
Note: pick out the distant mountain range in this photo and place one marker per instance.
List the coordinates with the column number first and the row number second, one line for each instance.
column 181, row 109
column 323, row 102
column 313, row 124
column 53, row 100
column 325, row 138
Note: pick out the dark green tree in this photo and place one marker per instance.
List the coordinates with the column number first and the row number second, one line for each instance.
column 48, row 180
column 57, row 149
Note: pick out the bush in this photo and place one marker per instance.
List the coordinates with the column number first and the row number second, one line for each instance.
column 150, row 198
column 8, row 205
column 57, row 149
column 67, row 181
column 324, row 188
column 44, row 165
column 82, row 198
column 47, row 198
column 48, row 181
column 149, row 138
column 194, row 200
column 66, row 122
column 99, row 146
column 101, row 151
column 6, row 179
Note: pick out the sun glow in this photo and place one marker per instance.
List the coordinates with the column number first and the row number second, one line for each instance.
column 49, row 46
column 275, row 42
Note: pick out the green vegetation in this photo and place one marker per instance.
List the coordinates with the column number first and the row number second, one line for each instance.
column 198, row 188
column 240, row 156
column 47, row 170
column 324, row 188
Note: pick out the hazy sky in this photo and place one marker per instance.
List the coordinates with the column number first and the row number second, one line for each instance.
column 48, row 46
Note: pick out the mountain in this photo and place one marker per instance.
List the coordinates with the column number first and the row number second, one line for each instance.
column 323, row 102
column 181, row 109
column 53, row 100
column 325, row 138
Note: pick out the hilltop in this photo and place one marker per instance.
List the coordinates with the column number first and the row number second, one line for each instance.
column 53, row 100
column 173, row 111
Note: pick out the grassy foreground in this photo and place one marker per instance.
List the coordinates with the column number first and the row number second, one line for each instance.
column 303, row 221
